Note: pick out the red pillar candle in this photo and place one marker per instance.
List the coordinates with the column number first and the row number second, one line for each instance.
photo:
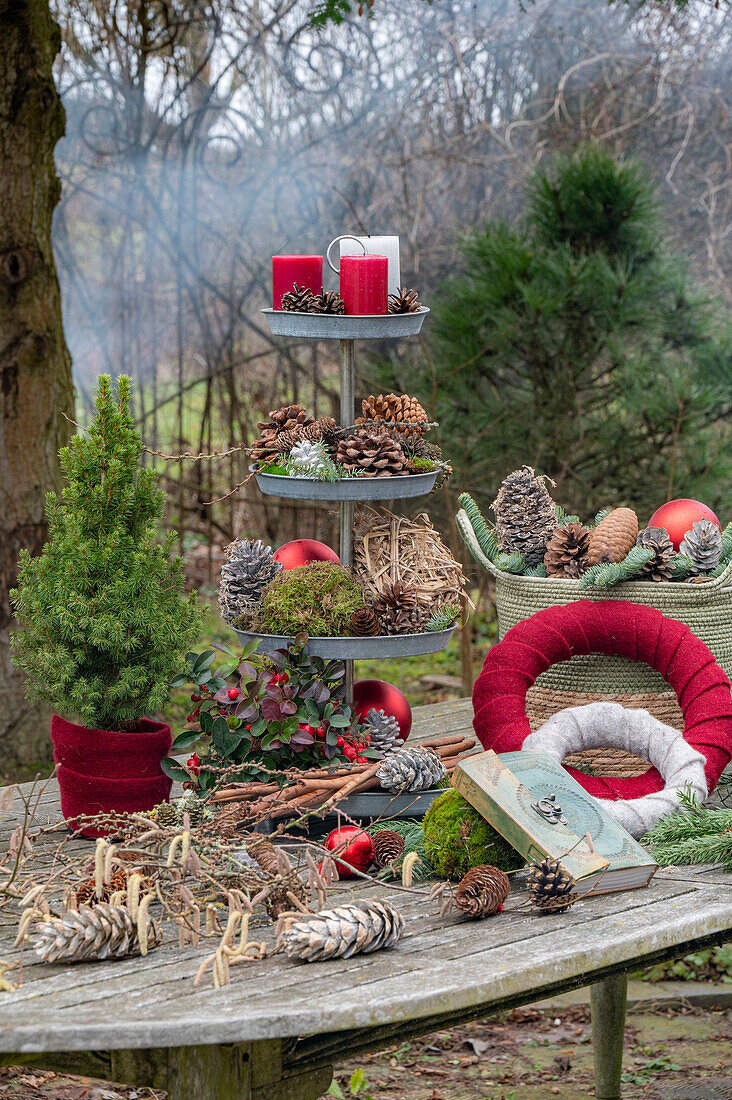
column 364, row 284
column 306, row 271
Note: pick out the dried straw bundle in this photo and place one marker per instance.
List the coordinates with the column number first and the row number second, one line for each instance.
column 391, row 548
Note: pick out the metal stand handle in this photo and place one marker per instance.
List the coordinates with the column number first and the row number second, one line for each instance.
column 347, row 381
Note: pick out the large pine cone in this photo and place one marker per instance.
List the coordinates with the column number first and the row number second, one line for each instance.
column 338, row 933
column 657, row 540
column 566, row 551
column 525, row 515
column 102, row 932
column 397, row 409
column 411, row 769
column 398, row 610
column 388, row 846
column 551, row 886
column 324, row 428
column 703, row 544
column 482, row 891
column 614, row 537
column 372, row 454
column 248, row 569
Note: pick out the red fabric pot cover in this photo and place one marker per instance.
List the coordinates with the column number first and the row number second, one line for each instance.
column 614, row 627
column 101, row 771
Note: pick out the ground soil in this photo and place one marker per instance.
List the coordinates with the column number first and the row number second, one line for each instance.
column 529, row 1054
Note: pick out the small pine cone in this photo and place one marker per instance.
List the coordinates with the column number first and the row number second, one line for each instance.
column 286, row 418
column 372, row 454
column 264, row 853
column 398, row 610
column 365, row 623
column 363, row 926
column 299, row 300
column 614, row 537
column 324, row 428
column 411, row 769
column 166, row 814
column 99, row 932
column 404, row 301
column 328, row 302
column 265, row 449
column 525, row 515
column 86, row 893
column 657, row 540
column 566, row 551
column 384, row 731
column 703, row 544
column 482, row 891
column 278, row 900
column 388, row 846
column 551, row 886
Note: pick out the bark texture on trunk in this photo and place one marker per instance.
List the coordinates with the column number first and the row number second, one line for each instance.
column 35, row 366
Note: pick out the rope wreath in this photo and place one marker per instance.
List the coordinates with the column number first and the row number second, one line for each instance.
column 621, row 628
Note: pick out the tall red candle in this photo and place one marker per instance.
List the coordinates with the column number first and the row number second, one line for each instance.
column 364, row 283
column 306, row 271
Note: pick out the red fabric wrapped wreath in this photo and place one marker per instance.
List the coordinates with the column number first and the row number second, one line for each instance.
column 613, row 627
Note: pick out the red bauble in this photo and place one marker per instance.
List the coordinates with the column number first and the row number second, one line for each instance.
column 355, row 846
column 368, row 694
column 679, row 516
column 302, row 552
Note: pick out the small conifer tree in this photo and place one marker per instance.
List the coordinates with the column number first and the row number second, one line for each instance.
column 104, row 621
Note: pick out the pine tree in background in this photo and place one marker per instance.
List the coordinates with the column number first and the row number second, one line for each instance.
column 575, row 343
column 104, row 621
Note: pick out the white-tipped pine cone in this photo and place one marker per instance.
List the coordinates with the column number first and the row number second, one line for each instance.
column 346, row 930
column 411, row 769
column 384, row 731
column 101, row 932
column 309, row 458
column 703, row 544
column 248, row 568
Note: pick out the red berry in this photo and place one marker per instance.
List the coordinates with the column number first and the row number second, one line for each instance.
column 194, row 763
column 340, row 743
column 195, row 698
column 191, row 718
column 367, row 741
column 248, row 728
column 361, row 760
column 283, row 678
column 321, row 729
column 320, row 733
column 233, row 693
column 307, row 728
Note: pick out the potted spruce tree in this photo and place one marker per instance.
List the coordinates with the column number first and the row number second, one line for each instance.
column 103, row 619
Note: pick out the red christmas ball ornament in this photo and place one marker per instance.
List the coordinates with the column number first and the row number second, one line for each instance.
column 302, row 552
column 355, row 846
column 378, row 694
column 679, row 516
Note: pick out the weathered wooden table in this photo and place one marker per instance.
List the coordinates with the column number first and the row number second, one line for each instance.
column 277, row 1030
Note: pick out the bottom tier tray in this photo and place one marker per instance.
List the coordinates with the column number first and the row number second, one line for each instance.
column 367, row 807
column 358, row 649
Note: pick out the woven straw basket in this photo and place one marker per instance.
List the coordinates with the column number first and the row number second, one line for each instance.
column 705, row 608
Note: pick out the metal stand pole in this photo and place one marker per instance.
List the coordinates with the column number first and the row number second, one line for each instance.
column 347, row 381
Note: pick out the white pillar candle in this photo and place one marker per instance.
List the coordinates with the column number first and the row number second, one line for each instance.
column 377, row 246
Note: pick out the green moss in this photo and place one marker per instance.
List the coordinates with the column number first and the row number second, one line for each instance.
column 422, row 465
column 318, row 598
column 457, row 838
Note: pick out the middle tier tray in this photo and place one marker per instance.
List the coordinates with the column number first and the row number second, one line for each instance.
column 350, row 488
column 357, row 649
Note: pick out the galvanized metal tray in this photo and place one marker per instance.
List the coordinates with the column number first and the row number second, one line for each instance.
column 366, row 808
column 327, row 326
column 357, row 649
column 350, row 488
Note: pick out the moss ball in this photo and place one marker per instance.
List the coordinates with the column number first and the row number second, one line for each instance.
column 457, row 838
column 318, row 598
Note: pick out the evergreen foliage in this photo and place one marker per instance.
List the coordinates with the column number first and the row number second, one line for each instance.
column 608, row 574
column 575, row 342
column 695, row 834
column 103, row 619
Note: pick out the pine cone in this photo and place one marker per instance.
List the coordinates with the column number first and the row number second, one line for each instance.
column 327, row 302
column 310, row 459
column 388, row 846
column 277, row 901
column 323, row 429
column 703, row 544
column 248, row 569
column 286, row 418
column 398, row 610
column 411, row 769
column 365, row 623
column 614, row 537
column 98, row 932
column 525, row 515
column 551, row 887
column 384, row 731
column 396, row 409
column 363, row 926
column 482, row 891
column 372, row 454
column 299, row 300
column 657, row 540
column 191, row 804
column 265, row 449
column 566, row 551
column 404, row 301
column 86, row 893
column 166, row 814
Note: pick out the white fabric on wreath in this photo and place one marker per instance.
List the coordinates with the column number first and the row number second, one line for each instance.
column 610, row 725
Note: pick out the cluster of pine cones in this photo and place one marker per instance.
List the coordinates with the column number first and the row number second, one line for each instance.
column 302, row 300
column 387, row 440
column 529, row 523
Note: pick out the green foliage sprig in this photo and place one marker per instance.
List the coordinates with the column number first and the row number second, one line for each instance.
column 695, row 834
column 443, row 619
column 481, row 528
column 608, row 574
column 103, row 618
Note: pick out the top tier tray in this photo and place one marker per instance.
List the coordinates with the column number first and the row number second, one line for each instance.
column 350, row 488
column 328, row 326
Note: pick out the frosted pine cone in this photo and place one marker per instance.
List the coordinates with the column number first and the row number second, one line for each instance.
column 482, row 891
column 310, row 459
column 249, row 567
column 411, row 769
column 384, row 731
column 703, row 544
column 101, row 932
column 346, row 930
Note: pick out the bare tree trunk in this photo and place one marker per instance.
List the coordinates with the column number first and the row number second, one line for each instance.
column 35, row 366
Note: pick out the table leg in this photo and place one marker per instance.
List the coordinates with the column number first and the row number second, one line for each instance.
column 608, row 999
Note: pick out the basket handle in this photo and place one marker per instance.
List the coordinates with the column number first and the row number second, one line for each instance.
column 466, row 530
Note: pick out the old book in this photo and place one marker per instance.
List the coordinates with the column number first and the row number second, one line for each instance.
column 542, row 811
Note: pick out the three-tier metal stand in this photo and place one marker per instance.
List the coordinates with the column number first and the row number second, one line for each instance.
column 350, row 491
